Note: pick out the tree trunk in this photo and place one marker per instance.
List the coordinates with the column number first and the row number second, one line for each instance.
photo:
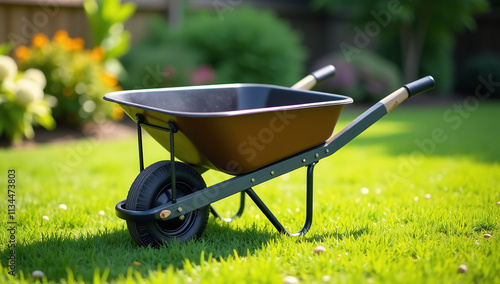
column 412, row 43
column 411, row 58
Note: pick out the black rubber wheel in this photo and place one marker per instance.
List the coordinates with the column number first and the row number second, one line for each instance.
column 151, row 188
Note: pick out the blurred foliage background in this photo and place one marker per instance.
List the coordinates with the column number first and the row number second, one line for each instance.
column 248, row 46
column 375, row 45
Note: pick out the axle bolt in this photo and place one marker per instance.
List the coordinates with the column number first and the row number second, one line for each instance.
column 179, row 209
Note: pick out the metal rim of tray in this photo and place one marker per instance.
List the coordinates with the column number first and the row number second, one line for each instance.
column 340, row 100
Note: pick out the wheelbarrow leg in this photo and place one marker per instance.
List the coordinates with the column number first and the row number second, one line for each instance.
column 309, row 206
column 238, row 214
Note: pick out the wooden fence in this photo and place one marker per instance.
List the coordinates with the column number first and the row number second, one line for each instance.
column 21, row 19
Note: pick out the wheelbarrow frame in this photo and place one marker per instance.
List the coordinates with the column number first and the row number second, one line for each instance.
column 243, row 183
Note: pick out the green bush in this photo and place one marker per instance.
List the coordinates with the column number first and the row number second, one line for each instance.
column 367, row 77
column 159, row 65
column 247, row 46
column 482, row 65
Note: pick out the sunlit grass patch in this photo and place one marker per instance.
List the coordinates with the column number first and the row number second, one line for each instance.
column 385, row 209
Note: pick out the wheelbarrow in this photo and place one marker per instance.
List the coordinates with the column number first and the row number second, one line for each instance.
column 254, row 132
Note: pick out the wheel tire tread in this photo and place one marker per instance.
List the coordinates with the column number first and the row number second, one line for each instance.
column 142, row 189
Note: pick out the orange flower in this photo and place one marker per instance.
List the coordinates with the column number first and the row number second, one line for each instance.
column 22, row 52
column 117, row 112
column 39, row 40
column 76, row 44
column 97, row 53
column 61, row 37
column 108, row 79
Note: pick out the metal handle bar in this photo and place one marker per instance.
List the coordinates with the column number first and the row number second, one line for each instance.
column 383, row 107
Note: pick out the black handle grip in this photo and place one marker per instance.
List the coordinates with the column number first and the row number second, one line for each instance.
column 420, row 86
column 324, row 73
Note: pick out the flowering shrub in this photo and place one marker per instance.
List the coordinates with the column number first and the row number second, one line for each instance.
column 22, row 102
column 75, row 77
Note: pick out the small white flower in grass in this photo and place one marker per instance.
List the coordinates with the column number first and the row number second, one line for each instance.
column 326, row 278
column 37, row 274
column 462, row 268
column 498, row 203
column 101, row 213
column 290, row 280
column 365, row 191
column 487, row 236
column 427, row 196
column 46, row 218
column 415, row 198
column 477, row 242
column 63, row 206
column 319, row 250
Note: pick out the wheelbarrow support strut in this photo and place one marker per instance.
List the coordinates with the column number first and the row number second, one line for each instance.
column 309, row 206
column 171, row 130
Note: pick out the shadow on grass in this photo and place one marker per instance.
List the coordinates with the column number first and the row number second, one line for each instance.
column 83, row 254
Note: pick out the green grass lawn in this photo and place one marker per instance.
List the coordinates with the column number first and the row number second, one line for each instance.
column 407, row 201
